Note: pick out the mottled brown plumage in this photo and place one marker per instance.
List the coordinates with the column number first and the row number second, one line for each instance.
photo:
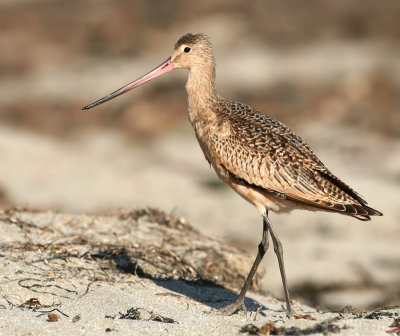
column 259, row 157
column 250, row 149
column 266, row 156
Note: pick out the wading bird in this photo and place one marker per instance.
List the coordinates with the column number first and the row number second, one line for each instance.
column 257, row 156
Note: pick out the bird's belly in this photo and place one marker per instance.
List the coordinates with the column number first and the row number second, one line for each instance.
column 261, row 200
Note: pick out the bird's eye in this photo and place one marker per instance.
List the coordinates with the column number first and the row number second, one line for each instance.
column 187, row 49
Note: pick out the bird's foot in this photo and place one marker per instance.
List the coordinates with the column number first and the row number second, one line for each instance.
column 233, row 308
column 289, row 311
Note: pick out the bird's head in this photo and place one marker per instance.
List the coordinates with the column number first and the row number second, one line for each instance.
column 191, row 50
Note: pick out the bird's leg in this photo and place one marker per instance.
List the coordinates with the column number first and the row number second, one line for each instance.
column 279, row 254
column 262, row 248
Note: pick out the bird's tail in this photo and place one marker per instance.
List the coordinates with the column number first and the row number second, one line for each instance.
column 363, row 212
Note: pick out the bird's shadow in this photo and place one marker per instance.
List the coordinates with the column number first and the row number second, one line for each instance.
column 207, row 293
column 204, row 292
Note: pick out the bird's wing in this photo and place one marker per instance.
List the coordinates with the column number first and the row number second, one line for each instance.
column 266, row 154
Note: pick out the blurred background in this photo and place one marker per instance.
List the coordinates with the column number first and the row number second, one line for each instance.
column 328, row 69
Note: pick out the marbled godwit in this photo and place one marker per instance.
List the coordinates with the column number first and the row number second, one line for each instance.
column 258, row 157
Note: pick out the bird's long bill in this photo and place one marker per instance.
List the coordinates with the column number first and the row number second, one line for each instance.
column 160, row 70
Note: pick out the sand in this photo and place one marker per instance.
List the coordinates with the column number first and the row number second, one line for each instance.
column 143, row 272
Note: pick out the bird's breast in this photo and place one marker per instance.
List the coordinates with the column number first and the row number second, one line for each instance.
column 202, row 132
column 206, row 132
column 207, row 128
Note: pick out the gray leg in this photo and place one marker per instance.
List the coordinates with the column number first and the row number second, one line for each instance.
column 279, row 254
column 262, row 248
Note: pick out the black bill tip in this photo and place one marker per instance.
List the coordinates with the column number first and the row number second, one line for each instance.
column 104, row 99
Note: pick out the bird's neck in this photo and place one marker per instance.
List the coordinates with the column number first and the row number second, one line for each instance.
column 201, row 91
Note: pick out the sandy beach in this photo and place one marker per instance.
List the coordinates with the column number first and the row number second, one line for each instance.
column 64, row 274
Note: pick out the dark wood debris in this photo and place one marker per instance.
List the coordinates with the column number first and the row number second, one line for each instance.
column 144, row 314
column 325, row 328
